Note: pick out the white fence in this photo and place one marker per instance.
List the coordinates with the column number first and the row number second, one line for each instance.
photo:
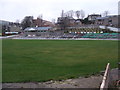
column 110, row 28
column 106, row 78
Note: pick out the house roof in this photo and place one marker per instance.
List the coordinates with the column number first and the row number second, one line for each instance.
column 101, row 17
column 106, row 17
column 94, row 15
column 30, row 29
column 43, row 28
column 37, row 28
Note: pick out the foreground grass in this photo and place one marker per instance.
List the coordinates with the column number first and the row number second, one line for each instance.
column 42, row 60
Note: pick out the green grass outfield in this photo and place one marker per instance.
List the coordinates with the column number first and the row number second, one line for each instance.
column 42, row 60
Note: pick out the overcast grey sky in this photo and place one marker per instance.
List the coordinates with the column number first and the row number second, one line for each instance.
column 11, row 10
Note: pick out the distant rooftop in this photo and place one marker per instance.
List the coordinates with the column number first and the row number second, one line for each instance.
column 94, row 15
column 4, row 22
column 106, row 17
column 37, row 28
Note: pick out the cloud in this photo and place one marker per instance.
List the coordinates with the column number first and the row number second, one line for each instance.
column 18, row 9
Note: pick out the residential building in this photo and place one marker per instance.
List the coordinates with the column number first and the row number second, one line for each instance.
column 78, row 22
column 42, row 23
column 64, row 22
column 93, row 17
column 6, row 26
column 108, row 21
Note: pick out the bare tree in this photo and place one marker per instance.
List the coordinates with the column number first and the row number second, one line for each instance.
column 77, row 14
column 62, row 14
column 17, row 21
column 82, row 14
column 66, row 14
column 40, row 17
column 105, row 13
column 69, row 13
column 53, row 21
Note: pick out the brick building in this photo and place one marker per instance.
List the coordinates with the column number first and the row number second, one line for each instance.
column 42, row 23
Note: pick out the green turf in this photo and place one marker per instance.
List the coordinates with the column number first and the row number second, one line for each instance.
column 42, row 60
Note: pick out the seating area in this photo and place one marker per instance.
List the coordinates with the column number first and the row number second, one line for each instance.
column 102, row 35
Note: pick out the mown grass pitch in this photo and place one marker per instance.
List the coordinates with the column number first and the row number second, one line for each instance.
column 42, row 60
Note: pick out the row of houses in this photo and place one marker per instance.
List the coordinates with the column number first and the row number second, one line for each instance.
column 39, row 25
column 95, row 19
column 6, row 26
column 29, row 21
column 42, row 23
column 112, row 20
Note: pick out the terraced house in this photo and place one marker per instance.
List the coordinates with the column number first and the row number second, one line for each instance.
column 6, row 26
column 108, row 21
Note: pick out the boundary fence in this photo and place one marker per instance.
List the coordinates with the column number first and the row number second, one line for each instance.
column 106, row 78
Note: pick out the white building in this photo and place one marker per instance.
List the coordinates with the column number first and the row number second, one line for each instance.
column 37, row 31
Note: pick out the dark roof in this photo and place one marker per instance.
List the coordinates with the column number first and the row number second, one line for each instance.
column 94, row 15
column 107, row 17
